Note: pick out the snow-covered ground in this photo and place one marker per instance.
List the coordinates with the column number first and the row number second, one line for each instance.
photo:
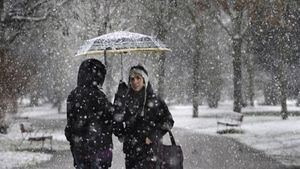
column 268, row 133
column 276, row 137
column 15, row 153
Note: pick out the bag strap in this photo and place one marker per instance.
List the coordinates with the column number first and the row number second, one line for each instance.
column 172, row 138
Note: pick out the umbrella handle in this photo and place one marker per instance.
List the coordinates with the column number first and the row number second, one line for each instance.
column 105, row 60
column 121, row 67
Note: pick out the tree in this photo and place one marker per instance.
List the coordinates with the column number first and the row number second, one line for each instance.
column 160, row 16
column 237, row 16
column 197, row 11
column 106, row 17
column 274, row 38
column 15, row 16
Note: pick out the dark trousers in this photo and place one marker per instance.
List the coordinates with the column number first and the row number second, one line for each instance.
column 96, row 160
column 139, row 163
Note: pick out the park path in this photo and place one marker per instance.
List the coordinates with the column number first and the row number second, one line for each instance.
column 200, row 152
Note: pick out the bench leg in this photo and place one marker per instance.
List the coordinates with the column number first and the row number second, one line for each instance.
column 51, row 144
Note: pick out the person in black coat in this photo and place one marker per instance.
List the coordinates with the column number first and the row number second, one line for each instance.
column 90, row 117
column 146, row 119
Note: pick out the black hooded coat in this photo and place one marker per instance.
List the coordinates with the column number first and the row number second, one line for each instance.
column 89, row 113
column 153, row 123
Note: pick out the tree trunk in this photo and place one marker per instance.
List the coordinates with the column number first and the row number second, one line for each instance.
column 195, row 84
column 162, row 59
column 109, row 80
column 283, row 90
column 161, row 75
column 298, row 99
column 298, row 85
column 196, row 71
column 8, row 104
column 3, row 111
column 34, row 99
column 282, row 67
column 2, row 119
column 271, row 90
column 13, row 104
column 105, row 28
column 237, row 75
column 58, row 102
column 250, row 70
column 2, row 25
column 195, row 106
column 237, row 62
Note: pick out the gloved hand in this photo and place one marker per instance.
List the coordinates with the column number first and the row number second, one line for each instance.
column 121, row 139
column 122, row 89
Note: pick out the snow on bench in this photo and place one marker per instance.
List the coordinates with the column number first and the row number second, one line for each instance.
column 229, row 120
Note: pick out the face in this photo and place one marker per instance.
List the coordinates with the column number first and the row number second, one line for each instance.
column 136, row 82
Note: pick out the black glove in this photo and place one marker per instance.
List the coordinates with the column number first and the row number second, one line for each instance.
column 121, row 139
column 122, row 89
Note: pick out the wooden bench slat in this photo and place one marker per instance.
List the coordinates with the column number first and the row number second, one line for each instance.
column 41, row 138
column 228, row 124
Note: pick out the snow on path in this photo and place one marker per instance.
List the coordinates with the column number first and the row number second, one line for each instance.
column 276, row 137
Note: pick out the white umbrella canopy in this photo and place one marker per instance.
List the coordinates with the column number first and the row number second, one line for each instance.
column 121, row 42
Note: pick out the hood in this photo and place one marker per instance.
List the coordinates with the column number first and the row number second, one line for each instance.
column 91, row 73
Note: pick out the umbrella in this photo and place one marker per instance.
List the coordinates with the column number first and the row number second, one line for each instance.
column 121, row 42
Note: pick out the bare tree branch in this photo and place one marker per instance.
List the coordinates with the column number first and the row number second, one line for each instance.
column 40, row 18
column 35, row 6
column 184, row 41
column 13, row 36
column 30, row 18
column 187, row 28
column 64, row 2
column 243, row 32
column 224, row 5
column 147, row 7
column 250, row 14
column 217, row 10
column 191, row 12
column 223, row 26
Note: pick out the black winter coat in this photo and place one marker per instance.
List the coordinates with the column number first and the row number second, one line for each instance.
column 155, row 122
column 89, row 119
column 89, row 113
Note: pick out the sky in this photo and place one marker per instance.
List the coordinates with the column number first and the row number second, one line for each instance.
column 276, row 137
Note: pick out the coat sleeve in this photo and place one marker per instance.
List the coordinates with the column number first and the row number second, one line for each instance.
column 119, row 111
column 68, row 128
column 164, row 122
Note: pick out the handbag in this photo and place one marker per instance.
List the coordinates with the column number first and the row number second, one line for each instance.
column 170, row 156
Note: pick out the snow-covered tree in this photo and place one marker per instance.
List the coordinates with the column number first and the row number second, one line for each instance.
column 274, row 37
column 18, row 18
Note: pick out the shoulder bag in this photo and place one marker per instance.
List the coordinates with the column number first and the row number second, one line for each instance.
column 170, row 156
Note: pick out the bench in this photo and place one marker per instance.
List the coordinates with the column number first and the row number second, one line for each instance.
column 27, row 134
column 230, row 121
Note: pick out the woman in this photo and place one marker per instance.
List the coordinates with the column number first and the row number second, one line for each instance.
column 146, row 118
column 90, row 121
